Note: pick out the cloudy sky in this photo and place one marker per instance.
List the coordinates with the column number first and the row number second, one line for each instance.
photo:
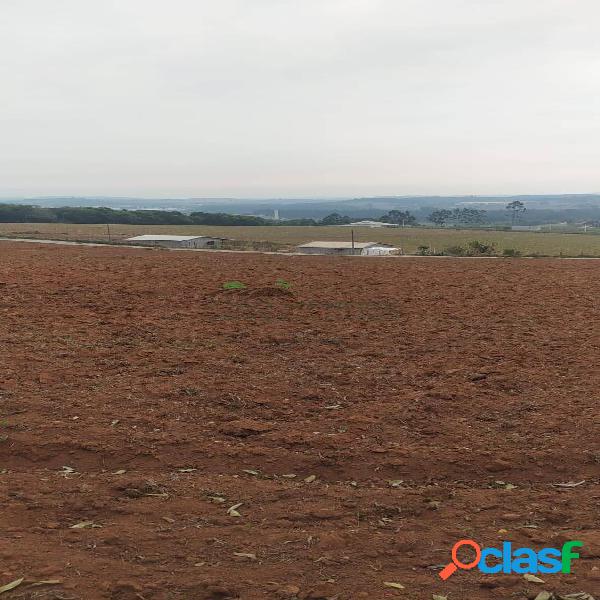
column 299, row 97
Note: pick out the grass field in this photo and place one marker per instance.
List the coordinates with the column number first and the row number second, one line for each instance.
column 528, row 243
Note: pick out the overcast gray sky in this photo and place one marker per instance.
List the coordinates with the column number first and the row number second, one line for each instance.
column 299, row 97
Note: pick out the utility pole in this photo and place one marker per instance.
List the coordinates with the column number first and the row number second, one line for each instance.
column 352, row 231
column 108, row 231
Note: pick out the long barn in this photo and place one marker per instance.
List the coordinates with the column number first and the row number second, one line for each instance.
column 347, row 248
column 177, row 241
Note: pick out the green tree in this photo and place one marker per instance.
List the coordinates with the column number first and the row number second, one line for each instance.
column 399, row 217
column 468, row 216
column 335, row 219
column 440, row 217
column 516, row 208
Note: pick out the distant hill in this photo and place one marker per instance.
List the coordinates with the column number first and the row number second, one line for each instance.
column 540, row 208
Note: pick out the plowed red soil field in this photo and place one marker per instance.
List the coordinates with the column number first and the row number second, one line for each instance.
column 164, row 439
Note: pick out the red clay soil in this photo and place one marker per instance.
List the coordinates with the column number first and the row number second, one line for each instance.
column 359, row 426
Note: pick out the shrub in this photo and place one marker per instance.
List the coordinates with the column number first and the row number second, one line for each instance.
column 473, row 248
column 455, row 251
column 283, row 284
column 234, row 285
column 477, row 248
column 511, row 252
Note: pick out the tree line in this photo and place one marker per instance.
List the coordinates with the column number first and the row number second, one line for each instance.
column 458, row 216
column 20, row 213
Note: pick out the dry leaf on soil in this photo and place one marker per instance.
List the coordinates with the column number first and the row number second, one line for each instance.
column 393, row 585
column 85, row 525
column 245, row 555
column 570, row 484
column 532, row 578
column 11, row 586
column 232, row 510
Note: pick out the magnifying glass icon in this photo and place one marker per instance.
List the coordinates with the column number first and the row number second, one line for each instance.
column 457, row 564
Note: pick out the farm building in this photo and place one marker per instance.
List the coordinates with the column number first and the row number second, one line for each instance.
column 347, row 248
column 177, row 241
column 526, row 228
column 370, row 224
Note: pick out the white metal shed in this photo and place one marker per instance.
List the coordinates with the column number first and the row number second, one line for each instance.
column 176, row 241
column 345, row 248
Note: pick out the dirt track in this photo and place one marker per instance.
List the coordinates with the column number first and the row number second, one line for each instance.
column 408, row 389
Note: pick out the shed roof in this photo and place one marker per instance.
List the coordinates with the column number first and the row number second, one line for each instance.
column 370, row 224
column 340, row 245
column 167, row 238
